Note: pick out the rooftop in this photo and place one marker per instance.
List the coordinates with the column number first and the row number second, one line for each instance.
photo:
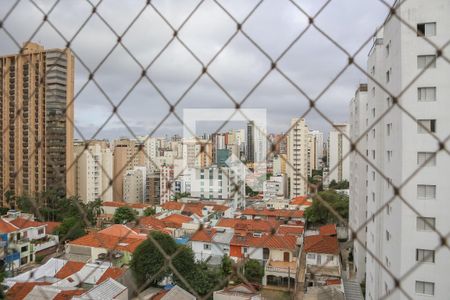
column 321, row 244
column 280, row 213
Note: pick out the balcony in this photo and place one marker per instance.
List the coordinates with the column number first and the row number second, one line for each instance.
column 281, row 268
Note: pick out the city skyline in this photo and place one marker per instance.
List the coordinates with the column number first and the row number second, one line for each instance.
column 119, row 72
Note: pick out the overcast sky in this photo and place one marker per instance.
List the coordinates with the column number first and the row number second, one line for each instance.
column 311, row 63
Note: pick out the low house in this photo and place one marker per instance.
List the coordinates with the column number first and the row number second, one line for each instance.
column 237, row 292
column 174, row 293
column 61, row 279
column 322, row 259
column 251, row 225
column 22, row 239
column 211, row 244
column 115, row 243
column 273, row 214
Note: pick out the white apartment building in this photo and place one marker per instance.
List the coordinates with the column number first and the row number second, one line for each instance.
column 94, row 170
column 297, row 166
column 316, row 146
column 402, row 236
column 151, row 148
column 358, row 178
column 338, row 149
column 134, row 185
column 219, row 183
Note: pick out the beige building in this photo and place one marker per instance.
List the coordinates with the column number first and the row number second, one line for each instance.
column 134, row 185
column 36, row 121
column 297, row 166
column 126, row 156
column 94, row 171
column 197, row 154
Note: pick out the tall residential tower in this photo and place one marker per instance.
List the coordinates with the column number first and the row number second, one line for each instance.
column 36, row 121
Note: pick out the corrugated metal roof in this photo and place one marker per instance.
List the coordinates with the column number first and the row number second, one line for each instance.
column 352, row 290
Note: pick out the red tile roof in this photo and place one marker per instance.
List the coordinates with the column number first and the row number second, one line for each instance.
column 204, row 235
column 172, row 205
column 21, row 289
column 120, row 204
column 250, row 225
column 176, row 220
column 113, row 273
column 285, row 213
column 300, row 200
column 329, row 229
column 332, row 281
column 23, row 223
column 321, row 244
column 193, row 208
column 290, row 229
column 51, row 226
column 151, row 222
column 271, row 241
column 67, row 295
column 110, row 242
column 69, row 268
column 7, row 227
column 120, row 230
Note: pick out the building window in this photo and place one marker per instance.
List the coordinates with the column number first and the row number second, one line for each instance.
column 423, row 255
column 426, row 94
column 41, row 231
column 388, row 76
column 426, row 126
column 373, row 154
column 206, row 246
column 426, row 29
column 388, row 129
column 311, row 256
column 425, row 287
column 388, row 235
column 426, row 61
column 426, row 192
column 426, row 223
column 389, row 101
column 373, row 91
column 24, row 249
column 389, row 155
column 428, row 157
column 388, row 48
column 373, row 133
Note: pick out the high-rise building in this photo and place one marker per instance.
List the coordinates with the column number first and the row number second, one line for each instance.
column 316, row 139
column 297, row 166
column 338, row 150
column 127, row 155
column 94, row 171
column 403, row 151
column 36, row 117
column 358, row 177
column 250, row 155
column 135, row 185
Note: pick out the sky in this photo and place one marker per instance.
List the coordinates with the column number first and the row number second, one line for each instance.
column 311, row 64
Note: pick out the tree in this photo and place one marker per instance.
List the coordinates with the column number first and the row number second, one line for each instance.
column 149, row 211
column 226, row 265
column 94, row 209
column 201, row 279
column 253, row 271
column 124, row 214
column 71, row 228
column 319, row 213
column 148, row 263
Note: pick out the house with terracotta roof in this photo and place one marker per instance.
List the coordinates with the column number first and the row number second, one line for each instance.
column 322, row 259
column 109, row 207
column 252, row 225
column 202, row 211
column 115, row 243
column 211, row 244
column 273, row 214
column 22, row 239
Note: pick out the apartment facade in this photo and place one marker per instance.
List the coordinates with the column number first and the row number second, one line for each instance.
column 402, row 235
column 135, row 185
column 338, row 150
column 94, row 171
column 127, row 154
column 36, row 117
column 297, row 166
column 358, row 178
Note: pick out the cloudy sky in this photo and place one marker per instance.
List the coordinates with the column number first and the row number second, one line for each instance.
column 311, row 63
